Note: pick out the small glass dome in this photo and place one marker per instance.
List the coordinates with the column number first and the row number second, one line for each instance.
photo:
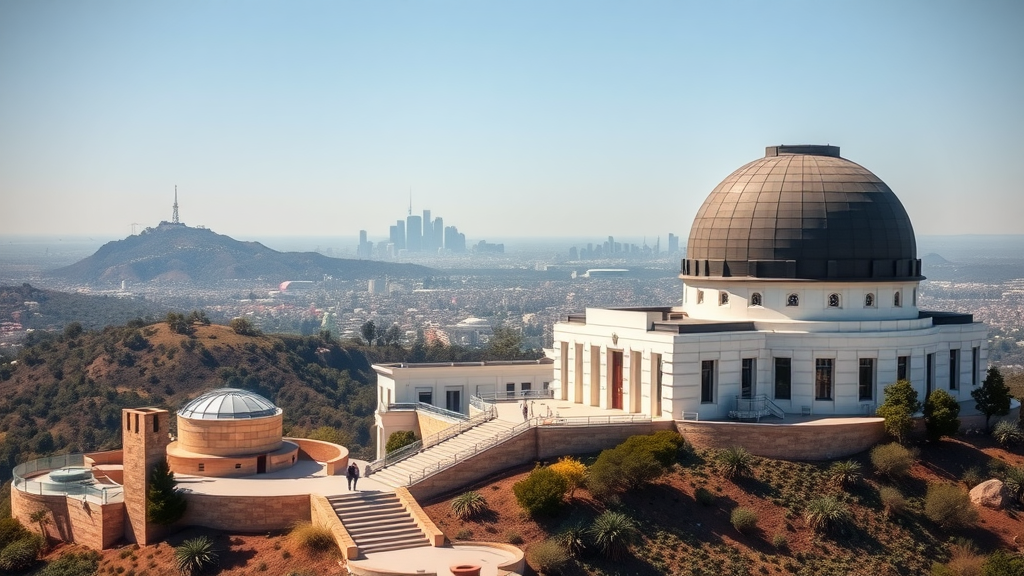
column 228, row 404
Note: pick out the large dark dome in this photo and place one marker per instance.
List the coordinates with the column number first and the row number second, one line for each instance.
column 803, row 212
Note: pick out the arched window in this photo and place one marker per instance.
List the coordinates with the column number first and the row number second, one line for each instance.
column 869, row 300
column 833, row 300
column 755, row 299
column 723, row 298
column 896, row 300
column 792, row 300
column 700, row 296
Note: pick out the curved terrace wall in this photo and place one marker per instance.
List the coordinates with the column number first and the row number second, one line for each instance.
column 230, row 437
column 335, row 457
column 825, row 439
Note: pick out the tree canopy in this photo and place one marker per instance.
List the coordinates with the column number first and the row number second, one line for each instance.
column 898, row 409
column 993, row 397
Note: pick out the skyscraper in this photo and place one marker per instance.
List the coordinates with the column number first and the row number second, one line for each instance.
column 428, row 233
column 438, row 233
column 398, row 235
column 414, row 233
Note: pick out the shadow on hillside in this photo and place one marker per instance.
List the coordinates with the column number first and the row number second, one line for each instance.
column 949, row 460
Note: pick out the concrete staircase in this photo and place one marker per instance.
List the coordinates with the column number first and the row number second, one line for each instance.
column 378, row 522
column 397, row 474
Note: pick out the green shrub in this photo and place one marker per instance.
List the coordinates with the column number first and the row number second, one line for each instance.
column 73, row 564
column 972, row 476
column 514, row 537
column 613, row 533
column 634, row 463
column 573, row 539
column 21, row 553
column 1008, row 433
column 827, row 514
column 10, row 530
column 993, row 397
column 1002, row 563
column 844, row 473
column 468, row 504
column 399, row 439
column 548, row 556
column 949, row 506
column 743, row 519
column 315, row 538
column 892, row 460
column 703, row 496
column 464, row 534
column 195, row 555
column 735, row 461
column 892, row 499
column 780, row 541
column 898, row 409
column 1013, row 480
column 941, row 415
column 541, row 492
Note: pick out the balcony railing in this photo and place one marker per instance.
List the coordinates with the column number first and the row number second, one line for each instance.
column 105, row 494
column 756, row 407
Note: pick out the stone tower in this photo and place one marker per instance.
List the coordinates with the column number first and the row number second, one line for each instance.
column 144, row 439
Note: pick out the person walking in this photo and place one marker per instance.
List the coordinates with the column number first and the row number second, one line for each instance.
column 526, row 411
column 352, row 473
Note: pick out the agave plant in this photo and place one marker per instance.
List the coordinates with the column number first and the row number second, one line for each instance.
column 736, row 461
column 468, row 504
column 1008, row 433
column 844, row 473
column 827, row 514
column 574, row 540
column 613, row 533
column 194, row 556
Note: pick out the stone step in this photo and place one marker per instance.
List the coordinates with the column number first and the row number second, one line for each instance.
column 398, row 546
column 377, row 520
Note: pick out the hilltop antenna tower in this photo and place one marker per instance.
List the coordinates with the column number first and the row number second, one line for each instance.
column 174, row 217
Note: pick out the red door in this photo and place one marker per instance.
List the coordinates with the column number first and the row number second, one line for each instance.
column 616, row 368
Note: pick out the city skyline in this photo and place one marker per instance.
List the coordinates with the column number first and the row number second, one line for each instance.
column 573, row 120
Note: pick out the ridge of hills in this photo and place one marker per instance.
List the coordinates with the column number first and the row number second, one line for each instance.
column 179, row 253
column 43, row 309
column 65, row 392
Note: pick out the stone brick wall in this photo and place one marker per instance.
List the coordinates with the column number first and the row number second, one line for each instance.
column 229, row 466
column 229, row 437
column 541, row 443
column 322, row 513
column 144, row 440
column 334, row 456
column 245, row 513
column 828, row 440
column 97, row 526
column 426, row 525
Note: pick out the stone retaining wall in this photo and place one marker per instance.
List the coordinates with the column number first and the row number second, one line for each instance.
column 334, row 456
column 97, row 526
column 323, row 514
column 807, row 441
column 245, row 513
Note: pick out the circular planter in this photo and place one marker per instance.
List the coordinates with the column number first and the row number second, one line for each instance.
column 465, row 570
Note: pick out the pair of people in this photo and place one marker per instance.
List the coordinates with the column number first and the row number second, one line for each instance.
column 352, row 473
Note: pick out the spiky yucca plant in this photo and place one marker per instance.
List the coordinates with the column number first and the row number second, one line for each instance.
column 613, row 533
column 468, row 504
column 827, row 514
column 194, row 556
column 844, row 474
column 736, row 462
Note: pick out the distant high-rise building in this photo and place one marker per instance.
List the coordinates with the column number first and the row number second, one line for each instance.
column 398, row 235
column 365, row 249
column 454, row 241
column 438, row 228
column 414, row 233
column 673, row 243
column 427, row 243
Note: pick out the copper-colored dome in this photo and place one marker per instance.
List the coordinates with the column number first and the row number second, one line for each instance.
column 803, row 212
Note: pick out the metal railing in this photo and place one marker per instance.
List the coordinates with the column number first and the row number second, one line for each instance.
column 105, row 494
column 488, row 413
column 399, row 406
column 504, row 436
column 691, row 416
column 517, row 396
column 756, row 407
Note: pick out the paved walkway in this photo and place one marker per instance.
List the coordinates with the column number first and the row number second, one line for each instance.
column 305, row 477
column 436, row 560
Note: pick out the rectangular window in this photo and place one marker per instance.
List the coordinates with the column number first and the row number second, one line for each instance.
column 929, row 375
column 425, row 395
column 954, row 369
column 707, row 381
column 238, row 466
column 202, row 467
column 656, row 387
column 510, row 389
column 453, row 400
column 525, row 388
column 783, row 378
column 867, row 378
column 156, row 423
column 747, row 378
column 975, row 368
column 823, row 379
column 901, row 367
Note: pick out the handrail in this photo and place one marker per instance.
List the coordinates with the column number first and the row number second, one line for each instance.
column 105, row 494
column 504, row 436
column 517, row 396
column 399, row 406
column 488, row 413
column 756, row 407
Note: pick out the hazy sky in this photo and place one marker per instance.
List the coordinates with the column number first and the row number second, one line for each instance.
column 512, row 118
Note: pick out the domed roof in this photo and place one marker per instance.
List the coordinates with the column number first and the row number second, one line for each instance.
column 803, row 212
column 228, row 404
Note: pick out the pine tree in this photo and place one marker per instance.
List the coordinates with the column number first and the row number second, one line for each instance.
column 941, row 415
column 164, row 502
column 993, row 398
